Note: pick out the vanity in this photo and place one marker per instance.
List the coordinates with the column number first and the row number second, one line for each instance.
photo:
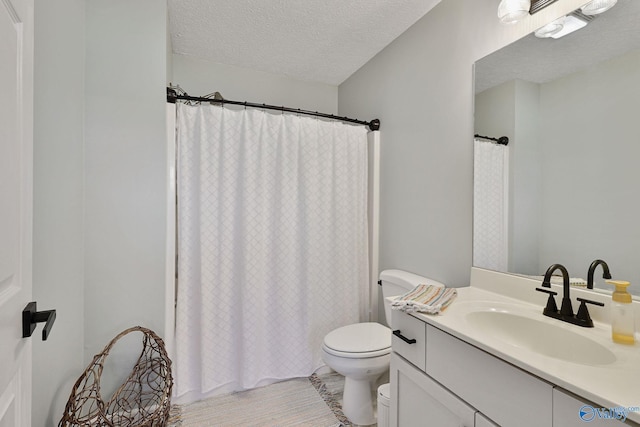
column 493, row 359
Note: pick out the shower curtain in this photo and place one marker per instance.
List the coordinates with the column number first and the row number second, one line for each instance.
column 490, row 205
column 272, row 244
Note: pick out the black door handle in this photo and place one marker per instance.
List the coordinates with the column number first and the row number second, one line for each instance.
column 403, row 338
column 31, row 316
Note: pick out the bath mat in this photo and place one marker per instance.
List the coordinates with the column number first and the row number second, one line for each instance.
column 296, row 402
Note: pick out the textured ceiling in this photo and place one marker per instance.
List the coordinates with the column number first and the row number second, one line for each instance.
column 314, row 40
column 609, row 35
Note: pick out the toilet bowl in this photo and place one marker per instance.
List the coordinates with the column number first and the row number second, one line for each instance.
column 361, row 352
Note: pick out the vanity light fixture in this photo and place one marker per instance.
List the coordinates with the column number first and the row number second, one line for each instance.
column 595, row 7
column 511, row 11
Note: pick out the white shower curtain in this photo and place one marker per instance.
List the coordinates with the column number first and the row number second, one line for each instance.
column 490, row 205
column 272, row 245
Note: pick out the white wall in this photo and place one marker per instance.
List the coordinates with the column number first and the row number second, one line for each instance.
column 526, row 192
column 99, row 182
column 125, row 164
column 589, row 127
column 420, row 87
column 169, row 52
column 199, row 77
column 495, row 111
column 58, row 278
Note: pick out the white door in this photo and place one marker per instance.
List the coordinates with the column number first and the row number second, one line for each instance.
column 16, row 161
column 417, row 400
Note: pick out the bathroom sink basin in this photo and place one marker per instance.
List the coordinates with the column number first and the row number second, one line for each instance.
column 541, row 337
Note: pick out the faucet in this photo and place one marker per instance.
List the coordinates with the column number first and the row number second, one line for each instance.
column 566, row 310
column 592, row 268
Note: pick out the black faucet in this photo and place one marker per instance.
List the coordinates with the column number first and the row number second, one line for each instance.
column 592, row 268
column 566, row 310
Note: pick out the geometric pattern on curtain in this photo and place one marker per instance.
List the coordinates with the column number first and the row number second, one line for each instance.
column 272, row 244
column 490, row 205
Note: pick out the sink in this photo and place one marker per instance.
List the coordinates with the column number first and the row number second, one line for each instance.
column 541, row 337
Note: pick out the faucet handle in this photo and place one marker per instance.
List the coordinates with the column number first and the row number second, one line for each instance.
column 583, row 313
column 551, row 301
column 588, row 301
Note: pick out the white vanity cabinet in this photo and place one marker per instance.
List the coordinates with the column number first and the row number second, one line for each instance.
column 416, row 398
column 440, row 380
column 507, row 395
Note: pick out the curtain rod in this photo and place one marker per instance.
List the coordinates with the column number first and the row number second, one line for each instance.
column 503, row 140
column 173, row 96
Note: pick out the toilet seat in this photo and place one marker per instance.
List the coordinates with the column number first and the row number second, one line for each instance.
column 358, row 341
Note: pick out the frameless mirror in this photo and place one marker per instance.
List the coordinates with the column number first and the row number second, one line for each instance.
column 571, row 109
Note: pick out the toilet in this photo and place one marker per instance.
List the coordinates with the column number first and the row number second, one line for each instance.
column 361, row 352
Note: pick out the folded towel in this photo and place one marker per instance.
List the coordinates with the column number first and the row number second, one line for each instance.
column 559, row 280
column 430, row 299
column 573, row 281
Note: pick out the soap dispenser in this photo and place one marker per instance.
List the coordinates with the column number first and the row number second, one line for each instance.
column 622, row 318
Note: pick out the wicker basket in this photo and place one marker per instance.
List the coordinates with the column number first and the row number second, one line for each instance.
column 144, row 399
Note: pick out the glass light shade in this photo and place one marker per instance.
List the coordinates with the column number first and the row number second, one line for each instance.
column 571, row 23
column 595, row 7
column 511, row 11
column 550, row 29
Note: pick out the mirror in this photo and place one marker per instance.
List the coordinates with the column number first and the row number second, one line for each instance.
column 571, row 109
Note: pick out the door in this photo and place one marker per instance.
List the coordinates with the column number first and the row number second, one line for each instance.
column 417, row 400
column 16, row 161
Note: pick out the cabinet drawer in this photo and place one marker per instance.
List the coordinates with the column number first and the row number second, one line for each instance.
column 410, row 328
column 507, row 395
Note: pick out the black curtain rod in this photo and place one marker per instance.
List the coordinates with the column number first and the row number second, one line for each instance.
column 173, row 96
column 503, row 140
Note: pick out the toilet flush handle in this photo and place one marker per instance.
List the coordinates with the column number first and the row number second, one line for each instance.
column 403, row 338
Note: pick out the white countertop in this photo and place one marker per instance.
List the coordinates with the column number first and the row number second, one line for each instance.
column 616, row 384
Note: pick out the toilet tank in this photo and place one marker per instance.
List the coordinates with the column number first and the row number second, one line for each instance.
column 398, row 282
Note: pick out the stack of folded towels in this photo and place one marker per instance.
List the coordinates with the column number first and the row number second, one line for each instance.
column 430, row 299
column 573, row 281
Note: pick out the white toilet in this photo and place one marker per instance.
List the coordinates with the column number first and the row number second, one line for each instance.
column 361, row 352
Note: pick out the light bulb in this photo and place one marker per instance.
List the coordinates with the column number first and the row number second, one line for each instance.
column 550, row 29
column 595, row 7
column 511, row 11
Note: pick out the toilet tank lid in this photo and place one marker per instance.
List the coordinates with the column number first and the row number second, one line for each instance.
column 406, row 279
column 359, row 338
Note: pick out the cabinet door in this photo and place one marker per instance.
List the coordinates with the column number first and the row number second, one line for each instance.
column 417, row 400
column 570, row 410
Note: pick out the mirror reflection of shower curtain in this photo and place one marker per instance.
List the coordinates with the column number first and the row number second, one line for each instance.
column 272, row 245
column 490, row 205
